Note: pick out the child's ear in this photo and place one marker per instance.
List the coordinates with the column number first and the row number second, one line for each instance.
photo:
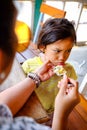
column 42, row 48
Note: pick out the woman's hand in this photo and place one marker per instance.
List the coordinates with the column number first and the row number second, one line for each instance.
column 68, row 96
column 45, row 71
column 66, row 100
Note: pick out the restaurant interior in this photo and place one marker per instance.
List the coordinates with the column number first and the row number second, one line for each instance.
column 31, row 15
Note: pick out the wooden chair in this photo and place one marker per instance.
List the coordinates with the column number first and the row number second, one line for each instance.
column 49, row 10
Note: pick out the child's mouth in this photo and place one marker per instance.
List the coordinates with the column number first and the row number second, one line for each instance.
column 58, row 63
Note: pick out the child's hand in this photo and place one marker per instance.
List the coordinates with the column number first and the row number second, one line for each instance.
column 45, row 71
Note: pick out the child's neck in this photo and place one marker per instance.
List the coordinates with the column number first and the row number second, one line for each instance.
column 43, row 58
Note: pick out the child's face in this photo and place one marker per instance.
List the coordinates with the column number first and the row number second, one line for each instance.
column 59, row 51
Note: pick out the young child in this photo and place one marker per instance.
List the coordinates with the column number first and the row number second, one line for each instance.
column 55, row 42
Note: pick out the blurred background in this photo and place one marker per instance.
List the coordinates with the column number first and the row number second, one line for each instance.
column 76, row 11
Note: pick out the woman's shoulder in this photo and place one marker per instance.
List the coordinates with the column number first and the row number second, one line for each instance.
column 23, row 123
column 27, row 123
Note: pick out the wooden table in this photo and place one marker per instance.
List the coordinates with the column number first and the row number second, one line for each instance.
column 33, row 108
column 77, row 118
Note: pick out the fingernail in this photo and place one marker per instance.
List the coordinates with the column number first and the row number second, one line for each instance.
column 64, row 76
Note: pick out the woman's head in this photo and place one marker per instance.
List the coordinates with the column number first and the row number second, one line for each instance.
column 8, row 39
column 57, row 35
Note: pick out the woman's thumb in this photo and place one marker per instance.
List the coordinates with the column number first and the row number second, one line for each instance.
column 63, row 83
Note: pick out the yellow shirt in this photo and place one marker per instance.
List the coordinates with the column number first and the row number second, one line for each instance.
column 47, row 90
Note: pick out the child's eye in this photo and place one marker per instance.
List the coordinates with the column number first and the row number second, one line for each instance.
column 57, row 51
column 68, row 51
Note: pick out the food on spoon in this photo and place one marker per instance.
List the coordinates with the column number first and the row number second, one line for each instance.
column 59, row 70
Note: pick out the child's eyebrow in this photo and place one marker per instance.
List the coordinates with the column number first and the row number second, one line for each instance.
column 57, row 49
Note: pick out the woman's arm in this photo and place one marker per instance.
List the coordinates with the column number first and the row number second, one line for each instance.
column 16, row 96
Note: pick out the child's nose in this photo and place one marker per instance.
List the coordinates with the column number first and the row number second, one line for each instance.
column 61, row 56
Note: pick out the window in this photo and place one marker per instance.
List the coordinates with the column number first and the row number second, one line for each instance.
column 82, row 27
column 24, row 11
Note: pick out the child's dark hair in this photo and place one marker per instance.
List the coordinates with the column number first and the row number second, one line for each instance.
column 56, row 29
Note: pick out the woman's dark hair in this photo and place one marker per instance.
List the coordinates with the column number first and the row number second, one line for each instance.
column 56, row 29
column 8, row 39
